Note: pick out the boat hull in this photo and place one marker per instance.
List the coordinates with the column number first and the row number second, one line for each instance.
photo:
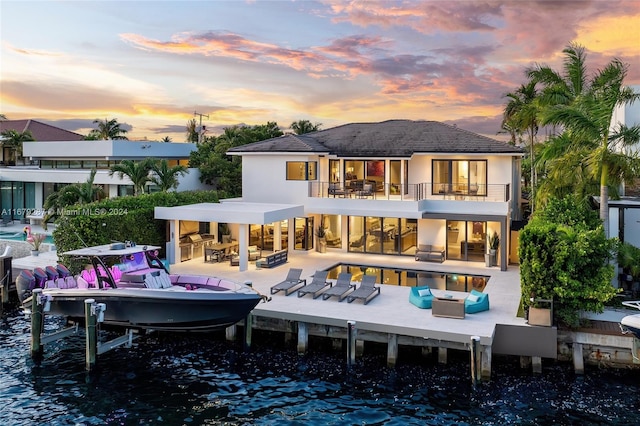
column 631, row 324
column 146, row 309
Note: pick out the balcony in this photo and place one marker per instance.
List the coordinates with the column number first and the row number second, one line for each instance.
column 371, row 190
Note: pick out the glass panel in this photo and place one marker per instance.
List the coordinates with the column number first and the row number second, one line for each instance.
column 356, row 233
column 334, row 168
column 296, row 170
column 374, row 233
column 333, row 228
column 30, row 195
column 395, row 177
column 125, row 190
column 476, row 237
column 18, row 199
column 375, row 173
column 255, row 235
column 478, row 177
column 440, row 177
column 303, row 233
column 388, row 235
column 312, row 167
column 7, row 205
column 46, row 164
column 354, row 172
column 284, row 234
column 407, row 236
column 455, row 238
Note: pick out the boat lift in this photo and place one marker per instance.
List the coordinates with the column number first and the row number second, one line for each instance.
column 93, row 314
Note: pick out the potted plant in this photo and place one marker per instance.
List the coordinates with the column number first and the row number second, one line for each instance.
column 321, row 233
column 225, row 232
column 35, row 240
column 494, row 243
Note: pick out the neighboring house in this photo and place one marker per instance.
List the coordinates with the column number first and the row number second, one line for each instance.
column 53, row 164
column 376, row 188
column 40, row 132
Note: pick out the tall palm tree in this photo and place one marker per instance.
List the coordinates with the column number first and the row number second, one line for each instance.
column 304, row 126
column 165, row 176
column 521, row 116
column 109, row 129
column 138, row 172
column 192, row 132
column 587, row 119
column 166, row 139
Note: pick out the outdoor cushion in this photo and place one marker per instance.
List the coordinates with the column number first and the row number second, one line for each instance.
column 424, row 292
column 421, row 297
column 479, row 305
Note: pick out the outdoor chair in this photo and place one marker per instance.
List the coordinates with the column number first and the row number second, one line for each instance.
column 254, row 253
column 421, row 297
column 317, row 286
column 367, row 290
column 291, row 283
column 341, row 288
column 476, row 302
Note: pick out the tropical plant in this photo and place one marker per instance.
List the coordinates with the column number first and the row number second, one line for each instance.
column 494, row 241
column 584, row 110
column 138, row 172
column 521, row 116
column 36, row 239
column 14, row 140
column 108, row 129
column 192, row 132
column 165, row 176
column 629, row 260
column 166, row 139
column 321, row 232
column 565, row 258
column 75, row 193
column 304, row 126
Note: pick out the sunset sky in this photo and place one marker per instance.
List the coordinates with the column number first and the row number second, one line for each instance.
column 152, row 64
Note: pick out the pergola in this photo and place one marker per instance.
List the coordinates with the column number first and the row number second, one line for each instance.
column 235, row 212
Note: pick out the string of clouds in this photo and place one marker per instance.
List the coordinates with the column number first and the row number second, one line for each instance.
column 152, row 64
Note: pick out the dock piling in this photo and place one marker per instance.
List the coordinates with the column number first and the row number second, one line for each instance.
column 351, row 343
column 475, row 359
column 91, row 336
column 37, row 321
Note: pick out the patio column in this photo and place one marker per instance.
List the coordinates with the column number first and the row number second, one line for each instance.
column 173, row 247
column 243, row 246
column 277, row 236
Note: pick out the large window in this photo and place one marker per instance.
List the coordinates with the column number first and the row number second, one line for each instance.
column 464, row 177
column 301, row 170
column 388, row 235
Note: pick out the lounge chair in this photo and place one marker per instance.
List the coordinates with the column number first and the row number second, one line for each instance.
column 367, row 290
column 341, row 288
column 476, row 302
column 291, row 283
column 317, row 285
column 421, row 297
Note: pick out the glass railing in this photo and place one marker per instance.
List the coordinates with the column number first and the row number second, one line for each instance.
column 363, row 189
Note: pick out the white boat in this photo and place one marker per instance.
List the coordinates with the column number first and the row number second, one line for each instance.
column 139, row 293
column 631, row 323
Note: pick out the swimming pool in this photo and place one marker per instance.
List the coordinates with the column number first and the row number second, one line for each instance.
column 19, row 236
column 411, row 278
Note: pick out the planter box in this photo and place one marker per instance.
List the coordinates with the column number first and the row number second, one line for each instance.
column 540, row 316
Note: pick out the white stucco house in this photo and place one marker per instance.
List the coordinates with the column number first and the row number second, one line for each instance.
column 375, row 188
column 49, row 165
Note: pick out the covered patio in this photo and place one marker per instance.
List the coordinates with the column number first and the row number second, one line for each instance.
column 233, row 212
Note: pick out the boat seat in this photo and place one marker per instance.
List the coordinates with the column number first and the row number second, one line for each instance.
column 191, row 279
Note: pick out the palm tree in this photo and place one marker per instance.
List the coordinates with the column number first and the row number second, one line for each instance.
column 165, row 176
column 136, row 171
column 521, row 116
column 166, row 139
column 587, row 118
column 304, row 126
column 76, row 193
column 14, row 140
column 192, row 132
column 109, row 129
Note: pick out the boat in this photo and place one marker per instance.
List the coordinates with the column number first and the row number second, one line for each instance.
column 138, row 291
column 631, row 323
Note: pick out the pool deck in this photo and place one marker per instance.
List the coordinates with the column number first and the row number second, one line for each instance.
column 390, row 312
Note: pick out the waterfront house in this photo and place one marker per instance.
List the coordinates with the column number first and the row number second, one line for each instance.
column 47, row 165
column 374, row 188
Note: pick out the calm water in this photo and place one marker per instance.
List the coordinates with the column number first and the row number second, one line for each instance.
column 197, row 380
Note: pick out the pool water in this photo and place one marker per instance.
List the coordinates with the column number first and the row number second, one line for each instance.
column 412, row 278
column 19, row 236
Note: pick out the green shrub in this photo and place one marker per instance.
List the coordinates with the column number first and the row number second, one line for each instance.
column 119, row 219
column 567, row 262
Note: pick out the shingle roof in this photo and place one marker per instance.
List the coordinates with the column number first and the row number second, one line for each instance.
column 393, row 138
column 40, row 131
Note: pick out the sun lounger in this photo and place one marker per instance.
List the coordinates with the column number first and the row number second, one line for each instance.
column 291, row 283
column 366, row 291
column 341, row 288
column 317, row 285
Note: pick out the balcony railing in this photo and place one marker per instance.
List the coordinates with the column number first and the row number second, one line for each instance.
column 410, row 192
